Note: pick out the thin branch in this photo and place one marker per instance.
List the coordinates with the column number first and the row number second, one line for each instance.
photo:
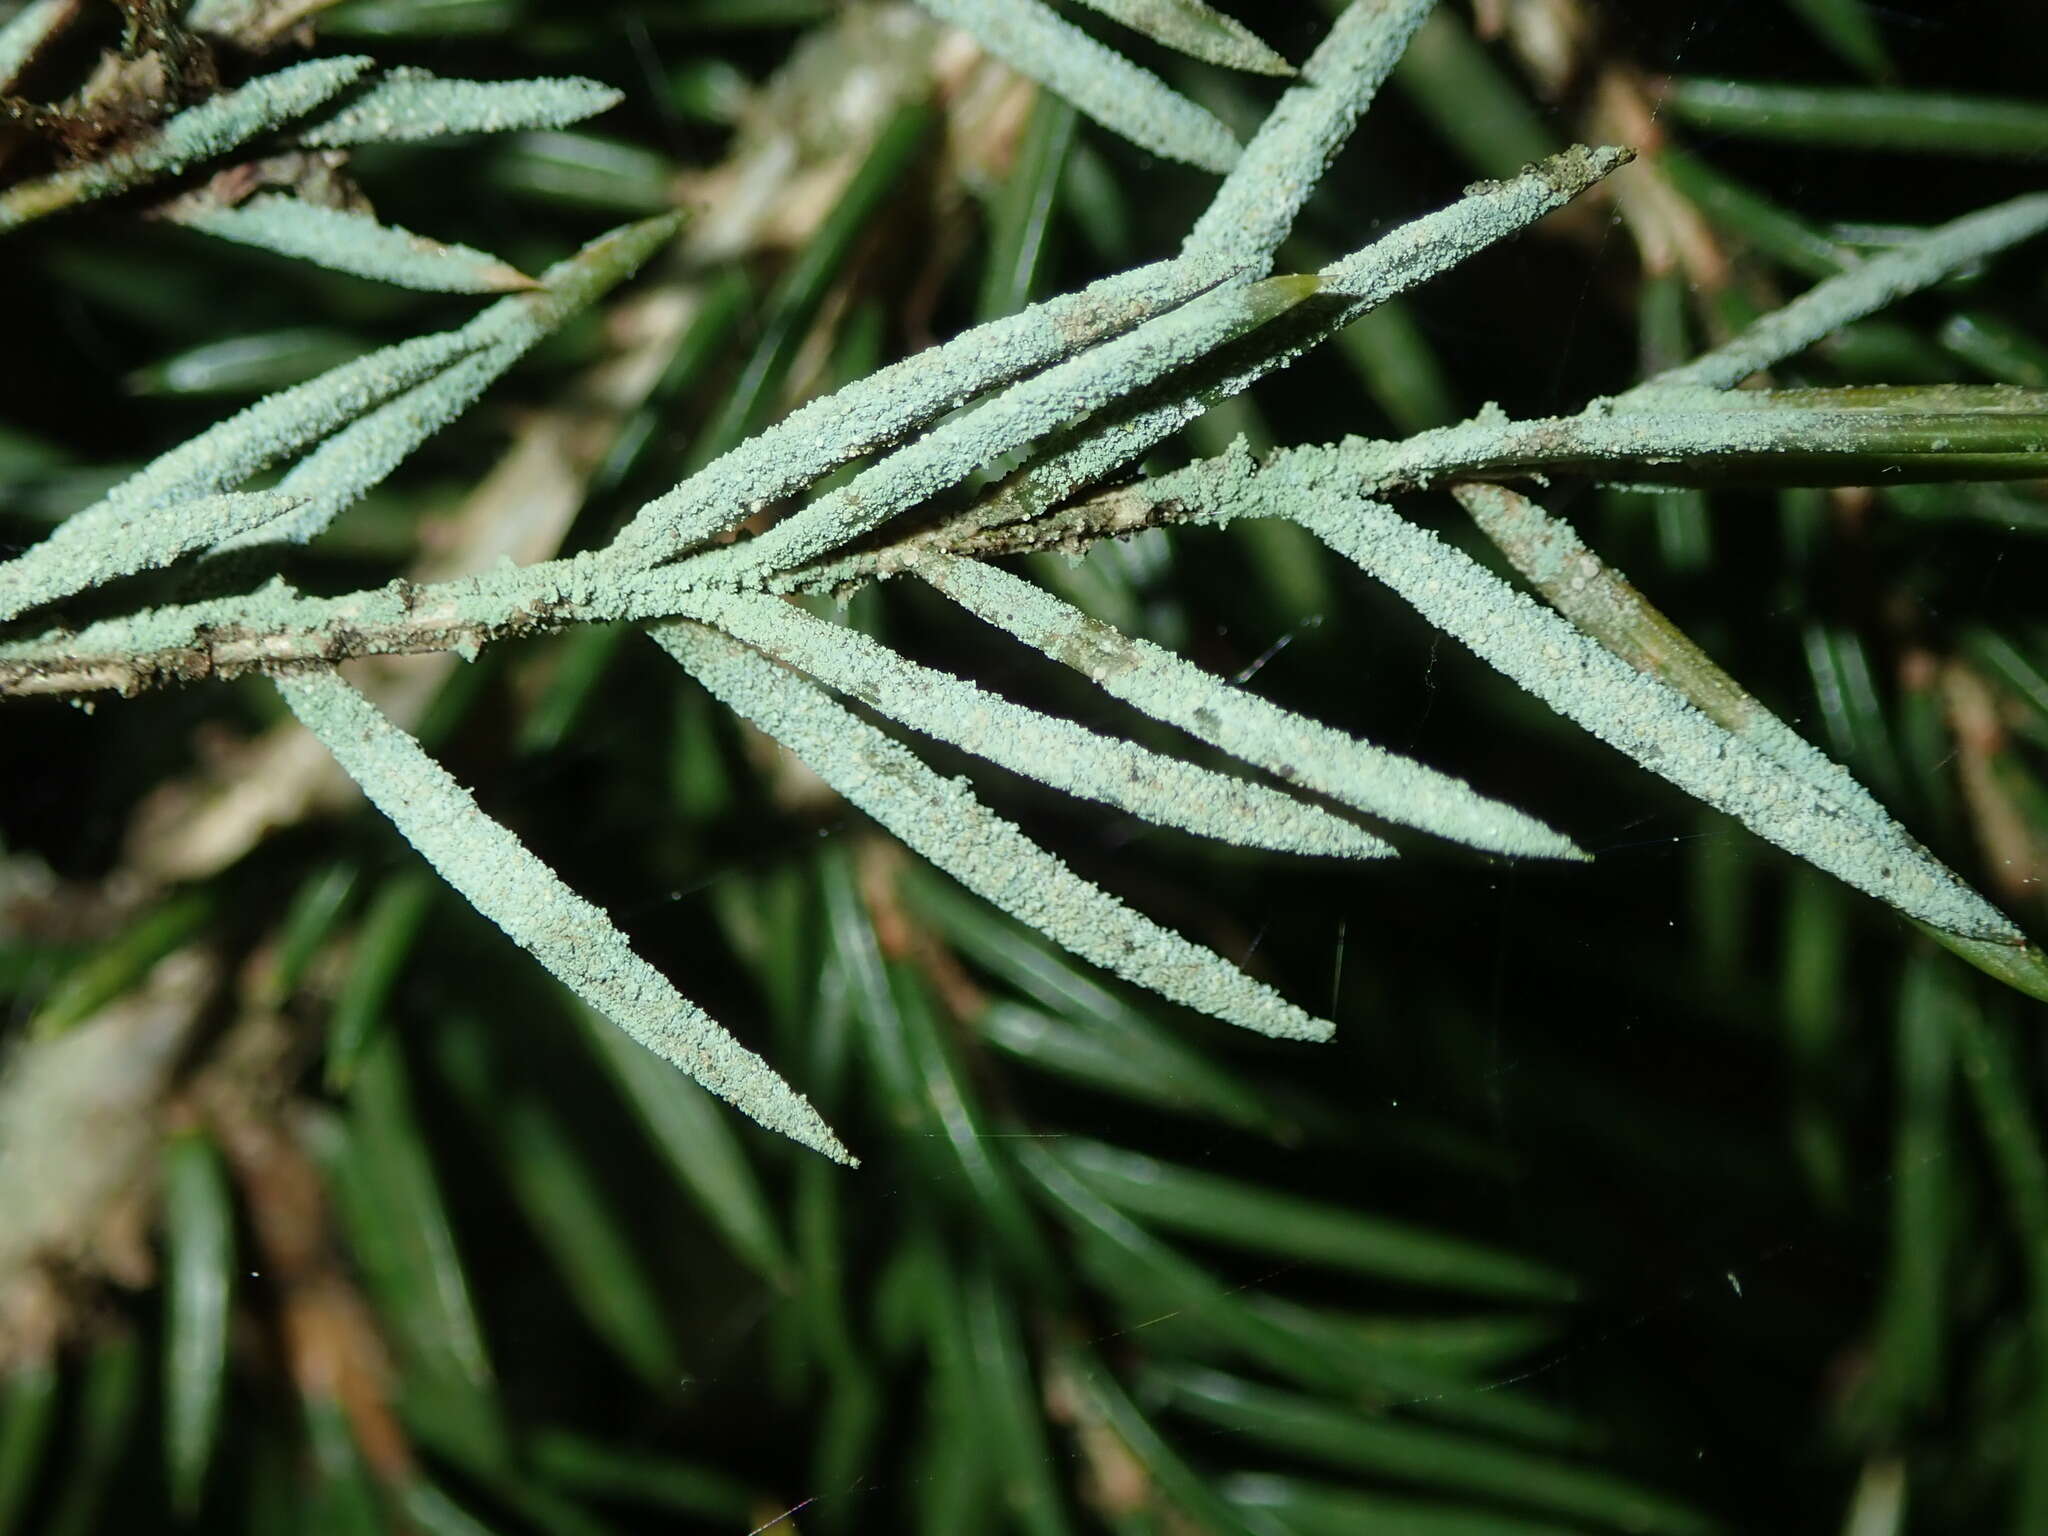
column 1719, row 436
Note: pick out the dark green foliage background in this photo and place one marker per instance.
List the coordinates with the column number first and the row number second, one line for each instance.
column 1674, row 1075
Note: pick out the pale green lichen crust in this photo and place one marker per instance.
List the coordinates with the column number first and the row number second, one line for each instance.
column 1018, row 416
column 276, row 626
column 1285, row 744
column 276, row 426
column 334, row 476
column 346, row 241
column 1863, row 289
column 1698, row 433
column 1031, row 38
column 25, row 32
column 1255, row 207
column 234, row 117
column 197, row 134
column 412, row 104
column 886, row 405
column 1198, row 30
column 425, row 380
column 1639, row 715
column 1600, row 601
column 1252, row 211
column 506, row 882
column 1488, row 213
column 1056, row 752
column 1096, row 449
column 943, row 821
column 68, row 562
